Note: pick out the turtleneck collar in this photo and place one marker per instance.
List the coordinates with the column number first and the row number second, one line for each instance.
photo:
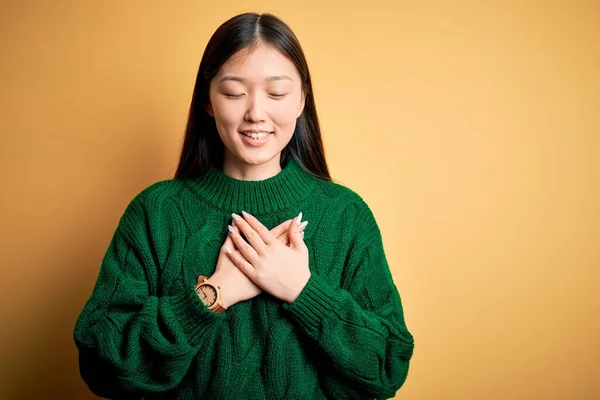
column 278, row 193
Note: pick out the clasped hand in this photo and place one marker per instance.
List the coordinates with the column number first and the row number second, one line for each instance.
column 277, row 269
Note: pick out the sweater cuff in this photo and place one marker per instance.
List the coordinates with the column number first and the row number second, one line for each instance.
column 193, row 315
column 317, row 301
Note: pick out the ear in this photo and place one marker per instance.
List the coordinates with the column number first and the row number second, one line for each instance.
column 209, row 110
column 302, row 103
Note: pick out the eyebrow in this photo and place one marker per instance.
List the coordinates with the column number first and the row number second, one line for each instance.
column 268, row 79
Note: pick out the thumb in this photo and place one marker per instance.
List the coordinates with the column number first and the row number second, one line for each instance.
column 297, row 235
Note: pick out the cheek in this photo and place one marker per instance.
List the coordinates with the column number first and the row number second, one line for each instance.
column 227, row 115
column 285, row 115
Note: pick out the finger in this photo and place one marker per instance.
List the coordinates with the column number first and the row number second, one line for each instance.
column 284, row 238
column 254, row 239
column 244, row 247
column 239, row 261
column 296, row 235
column 247, row 270
column 281, row 228
column 229, row 240
column 259, row 228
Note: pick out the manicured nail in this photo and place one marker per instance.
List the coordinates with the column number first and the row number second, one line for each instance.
column 302, row 234
column 303, row 225
column 235, row 216
column 230, row 229
column 245, row 214
column 227, row 249
column 299, row 218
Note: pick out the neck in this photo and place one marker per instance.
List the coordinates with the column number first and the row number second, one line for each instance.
column 243, row 171
column 282, row 191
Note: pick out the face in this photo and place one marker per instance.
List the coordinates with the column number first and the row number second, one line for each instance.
column 255, row 100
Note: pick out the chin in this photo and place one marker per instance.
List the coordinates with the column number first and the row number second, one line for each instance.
column 257, row 159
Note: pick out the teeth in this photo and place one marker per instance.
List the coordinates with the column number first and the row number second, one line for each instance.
column 257, row 135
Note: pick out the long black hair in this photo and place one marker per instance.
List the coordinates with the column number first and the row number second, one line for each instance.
column 202, row 146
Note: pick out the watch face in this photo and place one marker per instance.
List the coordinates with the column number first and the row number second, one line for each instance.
column 208, row 294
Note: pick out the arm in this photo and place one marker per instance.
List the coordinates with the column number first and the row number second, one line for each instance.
column 359, row 328
column 131, row 340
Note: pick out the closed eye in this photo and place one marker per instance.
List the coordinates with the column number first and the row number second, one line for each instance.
column 237, row 96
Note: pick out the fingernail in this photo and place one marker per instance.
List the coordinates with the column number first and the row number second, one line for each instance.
column 235, row 216
column 303, row 225
column 302, row 234
column 230, row 229
column 245, row 214
column 299, row 218
column 227, row 249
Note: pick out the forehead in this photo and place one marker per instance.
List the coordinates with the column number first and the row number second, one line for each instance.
column 258, row 63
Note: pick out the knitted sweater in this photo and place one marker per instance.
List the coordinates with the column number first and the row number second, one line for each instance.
column 144, row 332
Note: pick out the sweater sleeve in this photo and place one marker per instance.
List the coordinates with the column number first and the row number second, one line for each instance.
column 133, row 340
column 359, row 327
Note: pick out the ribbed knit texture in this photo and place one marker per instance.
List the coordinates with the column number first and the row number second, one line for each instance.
column 145, row 333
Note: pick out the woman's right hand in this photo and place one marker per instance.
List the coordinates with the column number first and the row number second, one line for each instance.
column 235, row 285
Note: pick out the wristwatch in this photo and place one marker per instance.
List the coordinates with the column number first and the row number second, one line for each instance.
column 210, row 294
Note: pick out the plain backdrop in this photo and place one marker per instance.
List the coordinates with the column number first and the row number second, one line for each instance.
column 471, row 129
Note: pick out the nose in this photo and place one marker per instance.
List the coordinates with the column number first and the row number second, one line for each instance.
column 255, row 111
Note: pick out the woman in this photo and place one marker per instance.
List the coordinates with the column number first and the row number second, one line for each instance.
column 213, row 287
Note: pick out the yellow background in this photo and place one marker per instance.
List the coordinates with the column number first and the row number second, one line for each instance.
column 471, row 128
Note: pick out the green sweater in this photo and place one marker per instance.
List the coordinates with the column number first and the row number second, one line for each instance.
column 145, row 333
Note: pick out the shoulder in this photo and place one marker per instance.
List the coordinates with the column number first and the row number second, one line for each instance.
column 341, row 194
column 344, row 196
column 152, row 200
column 157, row 193
column 351, row 206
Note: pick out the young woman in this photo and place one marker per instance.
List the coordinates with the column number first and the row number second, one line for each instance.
column 250, row 275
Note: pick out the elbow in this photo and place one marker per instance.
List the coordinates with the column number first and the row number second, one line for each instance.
column 405, row 353
column 395, row 372
column 99, row 377
column 400, row 378
column 387, row 388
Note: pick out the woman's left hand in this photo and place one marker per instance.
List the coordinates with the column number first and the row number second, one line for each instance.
column 276, row 268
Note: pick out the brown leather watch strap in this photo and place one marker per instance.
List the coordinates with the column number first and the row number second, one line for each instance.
column 217, row 308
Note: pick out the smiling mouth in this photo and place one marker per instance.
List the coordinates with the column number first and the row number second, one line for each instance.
column 257, row 135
